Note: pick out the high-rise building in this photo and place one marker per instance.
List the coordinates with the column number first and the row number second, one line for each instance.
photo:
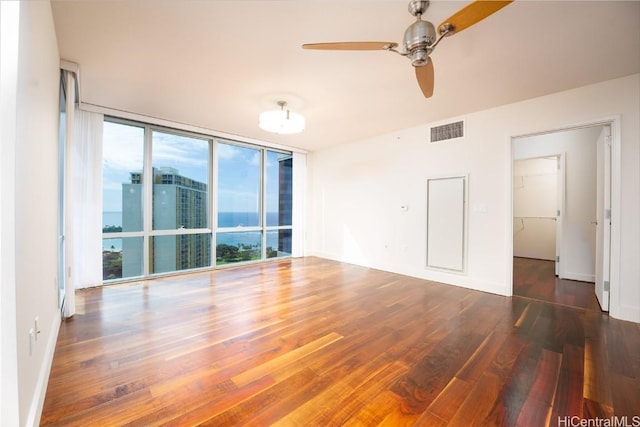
column 179, row 202
column 285, row 202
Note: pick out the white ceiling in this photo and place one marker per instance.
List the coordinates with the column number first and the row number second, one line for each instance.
column 218, row 64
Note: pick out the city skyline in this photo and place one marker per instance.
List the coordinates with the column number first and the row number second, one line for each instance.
column 238, row 166
column 188, row 193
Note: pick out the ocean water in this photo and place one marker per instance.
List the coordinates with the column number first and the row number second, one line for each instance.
column 225, row 219
column 244, row 219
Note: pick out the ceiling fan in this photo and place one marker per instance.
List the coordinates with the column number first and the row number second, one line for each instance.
column 420, row 38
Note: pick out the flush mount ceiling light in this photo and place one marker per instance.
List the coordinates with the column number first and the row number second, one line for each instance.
column 281, row 121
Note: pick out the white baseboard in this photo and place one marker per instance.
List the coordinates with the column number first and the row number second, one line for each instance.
column 37, row 402
column 625, row 312
column 580, row 277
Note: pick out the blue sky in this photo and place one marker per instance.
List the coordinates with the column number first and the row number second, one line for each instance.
column 238, row 174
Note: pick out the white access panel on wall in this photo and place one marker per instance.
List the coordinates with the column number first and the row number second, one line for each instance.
column 446, row 223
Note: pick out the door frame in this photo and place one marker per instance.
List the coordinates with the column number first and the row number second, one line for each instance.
column 63, row 131
column 614, row 262
column 561, row 205
column 603, row 221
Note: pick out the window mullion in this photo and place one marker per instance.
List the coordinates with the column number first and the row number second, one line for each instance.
column 263, row 204
column 213, row 199
column 147, row 200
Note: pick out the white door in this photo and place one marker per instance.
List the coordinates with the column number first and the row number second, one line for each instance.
column 62, row 140
column 603, row 218
column 560, row 205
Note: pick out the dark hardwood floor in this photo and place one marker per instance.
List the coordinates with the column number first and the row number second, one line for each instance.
column 313, row 342
column 536, row 279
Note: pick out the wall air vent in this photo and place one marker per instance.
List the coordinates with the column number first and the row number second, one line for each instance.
column 449, row 131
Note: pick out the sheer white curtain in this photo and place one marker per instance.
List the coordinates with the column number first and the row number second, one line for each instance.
column 84, row 208
column 299, row 204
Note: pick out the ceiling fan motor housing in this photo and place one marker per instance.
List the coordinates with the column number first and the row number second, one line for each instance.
column 418, row 39
column 418, row 7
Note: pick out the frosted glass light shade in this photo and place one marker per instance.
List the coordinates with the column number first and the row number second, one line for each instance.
column 281, row 121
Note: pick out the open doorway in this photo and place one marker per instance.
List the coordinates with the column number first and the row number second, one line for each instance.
column 536, row 202
column 558, row 182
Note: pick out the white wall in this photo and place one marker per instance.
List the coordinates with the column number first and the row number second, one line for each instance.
column 9, row 30
column 29, row 212
column 356, row 190
column 535, row 203
column 579, row 234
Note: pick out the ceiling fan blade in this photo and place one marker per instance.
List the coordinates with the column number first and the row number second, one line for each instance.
column 425, row 76
column 351, row 46
column 470, row 15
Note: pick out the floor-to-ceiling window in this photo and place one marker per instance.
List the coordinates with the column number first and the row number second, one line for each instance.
column 239, row 195
column 181, row 232
column 278, row 203
column 158, row 198
column 123, row 149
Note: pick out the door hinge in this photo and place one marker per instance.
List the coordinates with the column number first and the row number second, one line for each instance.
column 557, row 258
column 607, row 214
column 606, row 285
column 558, row 212
column 607, row 140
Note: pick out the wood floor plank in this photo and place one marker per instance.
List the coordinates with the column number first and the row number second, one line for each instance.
column 368, row 386
column 504, row 367
column 537, row 406
column 426, row 380
column 596, row 410
column 597, row 384
column 342, row 397
column 446, row 404
column 475, row 409
column 625, row 393
column 315, row 342
column 569, row 393
column 200, row 410
column 283, row 361
column 274, row 403
column 375, row 411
